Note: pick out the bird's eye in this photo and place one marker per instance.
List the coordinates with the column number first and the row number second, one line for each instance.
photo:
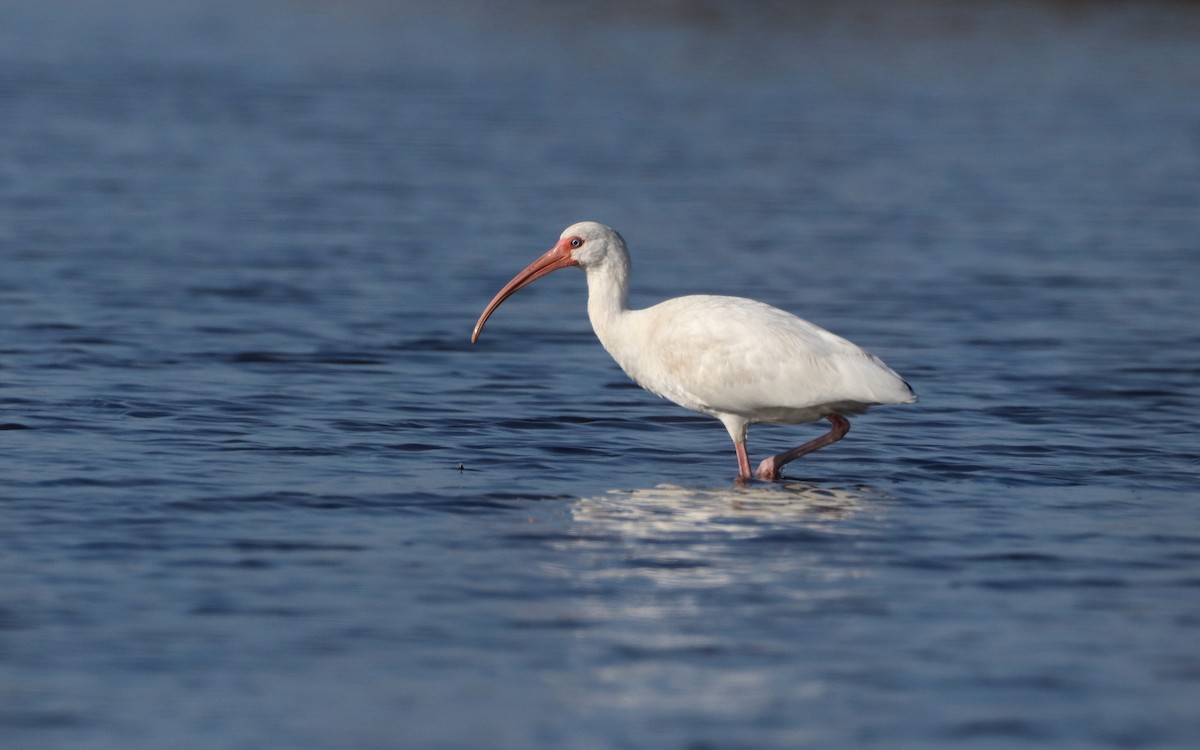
column 576, row 242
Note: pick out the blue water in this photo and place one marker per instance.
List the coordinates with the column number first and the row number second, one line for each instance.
column 257, row 490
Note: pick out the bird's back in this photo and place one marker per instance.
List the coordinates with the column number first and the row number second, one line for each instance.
column 730, row 355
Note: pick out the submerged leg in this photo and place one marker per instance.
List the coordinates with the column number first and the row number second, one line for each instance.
column 743, row 460
column 736, row 427
column 769, row 468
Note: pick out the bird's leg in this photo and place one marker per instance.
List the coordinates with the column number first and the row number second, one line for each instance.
column 769, row 468
column 743, row 460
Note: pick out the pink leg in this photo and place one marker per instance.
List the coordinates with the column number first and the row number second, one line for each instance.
column 769, row 468
column 743, row 461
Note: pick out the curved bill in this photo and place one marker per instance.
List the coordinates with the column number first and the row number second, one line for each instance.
column 555, row 258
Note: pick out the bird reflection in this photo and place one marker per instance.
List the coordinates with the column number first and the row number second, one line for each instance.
column 739, row 510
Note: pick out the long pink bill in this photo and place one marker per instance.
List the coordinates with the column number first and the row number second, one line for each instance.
column 555, row 258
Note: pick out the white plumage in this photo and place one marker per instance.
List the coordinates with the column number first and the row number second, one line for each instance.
column 736, row 359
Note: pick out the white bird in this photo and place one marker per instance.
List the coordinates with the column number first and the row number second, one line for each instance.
column 735, row 359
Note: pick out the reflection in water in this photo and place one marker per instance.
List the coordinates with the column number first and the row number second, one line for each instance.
column 740, row 511
column 688, row 568
column 689, row 539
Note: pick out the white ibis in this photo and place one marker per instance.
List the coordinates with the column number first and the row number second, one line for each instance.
column 736, row 359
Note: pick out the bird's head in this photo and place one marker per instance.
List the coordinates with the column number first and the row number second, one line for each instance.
column 586, row 244
column 590, row 244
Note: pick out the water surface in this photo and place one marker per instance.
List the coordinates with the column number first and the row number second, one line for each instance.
column 258, row 490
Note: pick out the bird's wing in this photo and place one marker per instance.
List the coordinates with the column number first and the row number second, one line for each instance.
column 729, row 354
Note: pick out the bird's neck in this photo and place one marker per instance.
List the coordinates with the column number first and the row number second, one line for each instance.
column 608, row 297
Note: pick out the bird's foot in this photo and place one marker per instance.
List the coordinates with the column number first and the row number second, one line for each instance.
column 767, row 470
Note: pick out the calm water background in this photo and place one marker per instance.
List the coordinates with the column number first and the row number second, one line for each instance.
column 258, row 490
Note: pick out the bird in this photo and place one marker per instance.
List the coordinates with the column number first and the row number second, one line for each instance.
column 735, row 359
